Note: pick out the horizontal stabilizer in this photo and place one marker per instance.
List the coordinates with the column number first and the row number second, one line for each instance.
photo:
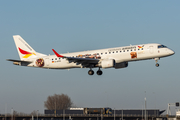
column 19, row 61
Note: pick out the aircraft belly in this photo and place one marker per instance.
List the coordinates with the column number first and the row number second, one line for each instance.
column 64, row 65
column 122, row 58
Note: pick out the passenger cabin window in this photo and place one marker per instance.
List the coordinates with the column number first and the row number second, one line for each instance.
column 162, row 46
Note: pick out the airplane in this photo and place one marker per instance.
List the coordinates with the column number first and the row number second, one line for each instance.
column 117, row 57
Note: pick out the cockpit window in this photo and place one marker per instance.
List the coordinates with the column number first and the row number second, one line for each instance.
column 162, row 46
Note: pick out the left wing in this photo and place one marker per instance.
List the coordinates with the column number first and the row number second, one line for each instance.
column 83, row 61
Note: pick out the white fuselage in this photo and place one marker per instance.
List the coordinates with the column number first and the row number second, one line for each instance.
column 119, row 54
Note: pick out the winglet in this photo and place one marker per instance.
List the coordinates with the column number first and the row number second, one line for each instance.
column 58, row 55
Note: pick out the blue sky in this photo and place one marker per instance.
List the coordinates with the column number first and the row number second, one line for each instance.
column 71, row 26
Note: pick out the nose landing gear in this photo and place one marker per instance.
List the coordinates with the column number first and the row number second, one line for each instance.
column 157, row 65
column 156, row 59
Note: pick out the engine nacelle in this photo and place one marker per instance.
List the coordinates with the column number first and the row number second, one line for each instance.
column 107, row 63
column 121, row 65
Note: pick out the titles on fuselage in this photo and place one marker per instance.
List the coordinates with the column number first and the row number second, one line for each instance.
column 125, row 48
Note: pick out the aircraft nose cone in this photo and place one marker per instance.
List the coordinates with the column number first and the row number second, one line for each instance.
column 171, row 52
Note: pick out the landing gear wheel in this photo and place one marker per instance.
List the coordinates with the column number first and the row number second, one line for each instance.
column 90, row 72
column 157, row 65
column 99, row 72
column 156, row 59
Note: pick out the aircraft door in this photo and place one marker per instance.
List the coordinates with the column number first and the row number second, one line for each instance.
column 47, row 61
column 151, row 49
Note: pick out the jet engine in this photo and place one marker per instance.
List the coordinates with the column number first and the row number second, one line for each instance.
column 108, row 63
column 121, row 65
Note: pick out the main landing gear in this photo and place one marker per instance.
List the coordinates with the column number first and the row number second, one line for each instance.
column 99, row 72
column 156, row 59
column 91, row 72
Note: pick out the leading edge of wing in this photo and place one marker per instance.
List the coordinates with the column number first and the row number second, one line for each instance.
column 76, row 59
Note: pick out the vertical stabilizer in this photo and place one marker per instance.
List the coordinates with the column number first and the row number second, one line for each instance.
column 25, row 51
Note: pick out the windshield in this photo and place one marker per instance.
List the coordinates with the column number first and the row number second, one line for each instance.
column 162, row 46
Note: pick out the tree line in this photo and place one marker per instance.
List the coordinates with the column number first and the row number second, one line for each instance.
column 58, row 102
column 54, row 102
